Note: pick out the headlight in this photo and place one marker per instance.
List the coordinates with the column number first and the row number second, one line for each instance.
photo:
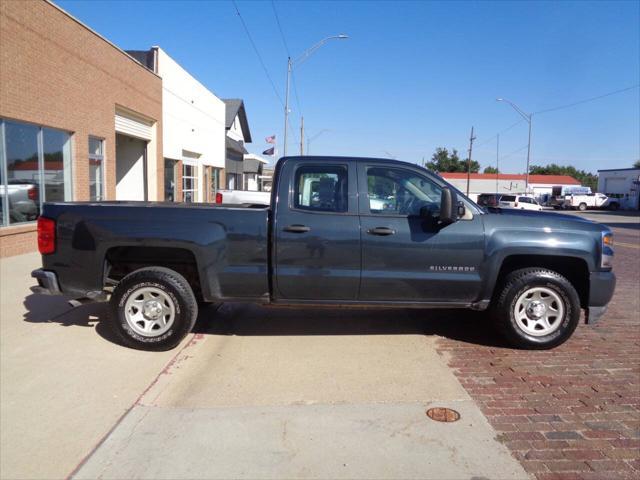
column 606, row 260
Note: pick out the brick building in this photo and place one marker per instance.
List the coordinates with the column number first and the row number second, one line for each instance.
column 80, row 119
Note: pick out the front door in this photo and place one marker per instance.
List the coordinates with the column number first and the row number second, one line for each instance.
column 406, row 256
column 317, row 232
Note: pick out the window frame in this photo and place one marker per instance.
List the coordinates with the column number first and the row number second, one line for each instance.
column 292, row 189
column 41, row 167
column 194, row 190
column 102, row 157
column 365, row 204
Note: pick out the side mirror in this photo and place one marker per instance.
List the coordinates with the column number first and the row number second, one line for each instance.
column 461, row 209
column 448, row 206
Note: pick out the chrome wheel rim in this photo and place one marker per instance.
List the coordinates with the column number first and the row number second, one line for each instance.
column 149, row 311
column 539, row 311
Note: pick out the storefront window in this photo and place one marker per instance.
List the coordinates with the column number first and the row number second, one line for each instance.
column 170, row 180
column 36, row 167
column 189, row 183
column 96, row 169
column 57, row 165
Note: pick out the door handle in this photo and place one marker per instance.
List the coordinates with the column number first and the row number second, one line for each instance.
column 297, row 229
column 383, row 231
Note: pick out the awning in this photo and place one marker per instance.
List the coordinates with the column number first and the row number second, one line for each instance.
column 252, row 166
column 235, row 146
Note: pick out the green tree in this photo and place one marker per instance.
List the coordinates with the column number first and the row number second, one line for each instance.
column 491, row 170
column 443, row 161
column 587, row 179
column 637, row 164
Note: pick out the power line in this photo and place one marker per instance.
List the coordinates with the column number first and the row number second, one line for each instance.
column 513, row 153
column 255, row 48
column 295, row 92
column 284, row 41
column 585, row 100
column 490, row 139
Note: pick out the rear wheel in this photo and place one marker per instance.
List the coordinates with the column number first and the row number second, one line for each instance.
column 153, row 308
column 536, row 308
column 582, row 207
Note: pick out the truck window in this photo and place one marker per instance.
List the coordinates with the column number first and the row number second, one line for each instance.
column 394, row 191
column 321, row 188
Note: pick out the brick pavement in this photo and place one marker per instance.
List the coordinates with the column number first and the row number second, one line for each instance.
column 572, row 412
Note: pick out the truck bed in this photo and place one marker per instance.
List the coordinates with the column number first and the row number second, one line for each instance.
column 227, row 245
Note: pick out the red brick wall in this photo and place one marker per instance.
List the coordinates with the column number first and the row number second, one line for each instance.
column 57, row 73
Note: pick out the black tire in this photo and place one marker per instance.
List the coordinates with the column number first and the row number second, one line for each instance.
column 173, row 288
column 582, row 207
column 614, row 206
column 513, row 287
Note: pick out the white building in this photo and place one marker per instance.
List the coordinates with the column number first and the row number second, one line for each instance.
column 238, row 135
column 252, row 170
column 193, row 130
column 622, row 183
column 501, row 183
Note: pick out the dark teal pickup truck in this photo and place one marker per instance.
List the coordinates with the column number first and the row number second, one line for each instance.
column 339, row 231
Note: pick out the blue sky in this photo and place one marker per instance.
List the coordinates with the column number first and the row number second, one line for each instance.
column 414, row 75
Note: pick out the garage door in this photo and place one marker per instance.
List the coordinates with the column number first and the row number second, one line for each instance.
column 614, row 185
column 133, row 125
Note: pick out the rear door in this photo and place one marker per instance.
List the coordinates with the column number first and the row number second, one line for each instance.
column 406, row 257
column 317, row 231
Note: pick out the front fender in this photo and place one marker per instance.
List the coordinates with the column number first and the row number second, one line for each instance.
column 504, row 243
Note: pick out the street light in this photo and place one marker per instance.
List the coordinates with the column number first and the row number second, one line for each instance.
column 311, row 139
column 527, row 117
column 290, row 64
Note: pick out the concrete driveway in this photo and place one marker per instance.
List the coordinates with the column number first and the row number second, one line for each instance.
column 255, row 393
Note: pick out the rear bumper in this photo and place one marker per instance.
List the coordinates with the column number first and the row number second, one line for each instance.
column 601, row 288
column 47, row 282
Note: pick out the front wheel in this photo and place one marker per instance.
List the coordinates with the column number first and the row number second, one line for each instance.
column 582, row 207
column 153, row 309
column 536, row 308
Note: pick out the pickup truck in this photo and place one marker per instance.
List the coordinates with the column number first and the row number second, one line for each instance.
column 243, row 197
column 339, row 231
column 591, row 200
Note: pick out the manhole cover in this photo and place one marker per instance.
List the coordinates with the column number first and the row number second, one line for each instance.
column 441, row 414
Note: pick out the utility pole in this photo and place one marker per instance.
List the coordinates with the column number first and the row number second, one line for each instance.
column 526, row 181
column 286, row 105
column 301, row 135
column 471, row 139
column 497, row 160
column 290, row 64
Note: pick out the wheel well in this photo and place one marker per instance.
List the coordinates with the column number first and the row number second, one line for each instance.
column 573, row 269
column 120, row 261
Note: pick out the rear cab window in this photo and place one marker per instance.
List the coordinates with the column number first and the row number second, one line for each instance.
column 321, row 188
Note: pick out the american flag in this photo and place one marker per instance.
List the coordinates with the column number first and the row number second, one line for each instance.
column 271, row 139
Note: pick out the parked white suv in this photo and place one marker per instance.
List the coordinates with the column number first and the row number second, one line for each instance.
column 522, row 202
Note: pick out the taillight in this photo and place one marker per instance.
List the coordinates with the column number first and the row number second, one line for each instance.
column 32, row 193
column 46, row 235
column 218, row 197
